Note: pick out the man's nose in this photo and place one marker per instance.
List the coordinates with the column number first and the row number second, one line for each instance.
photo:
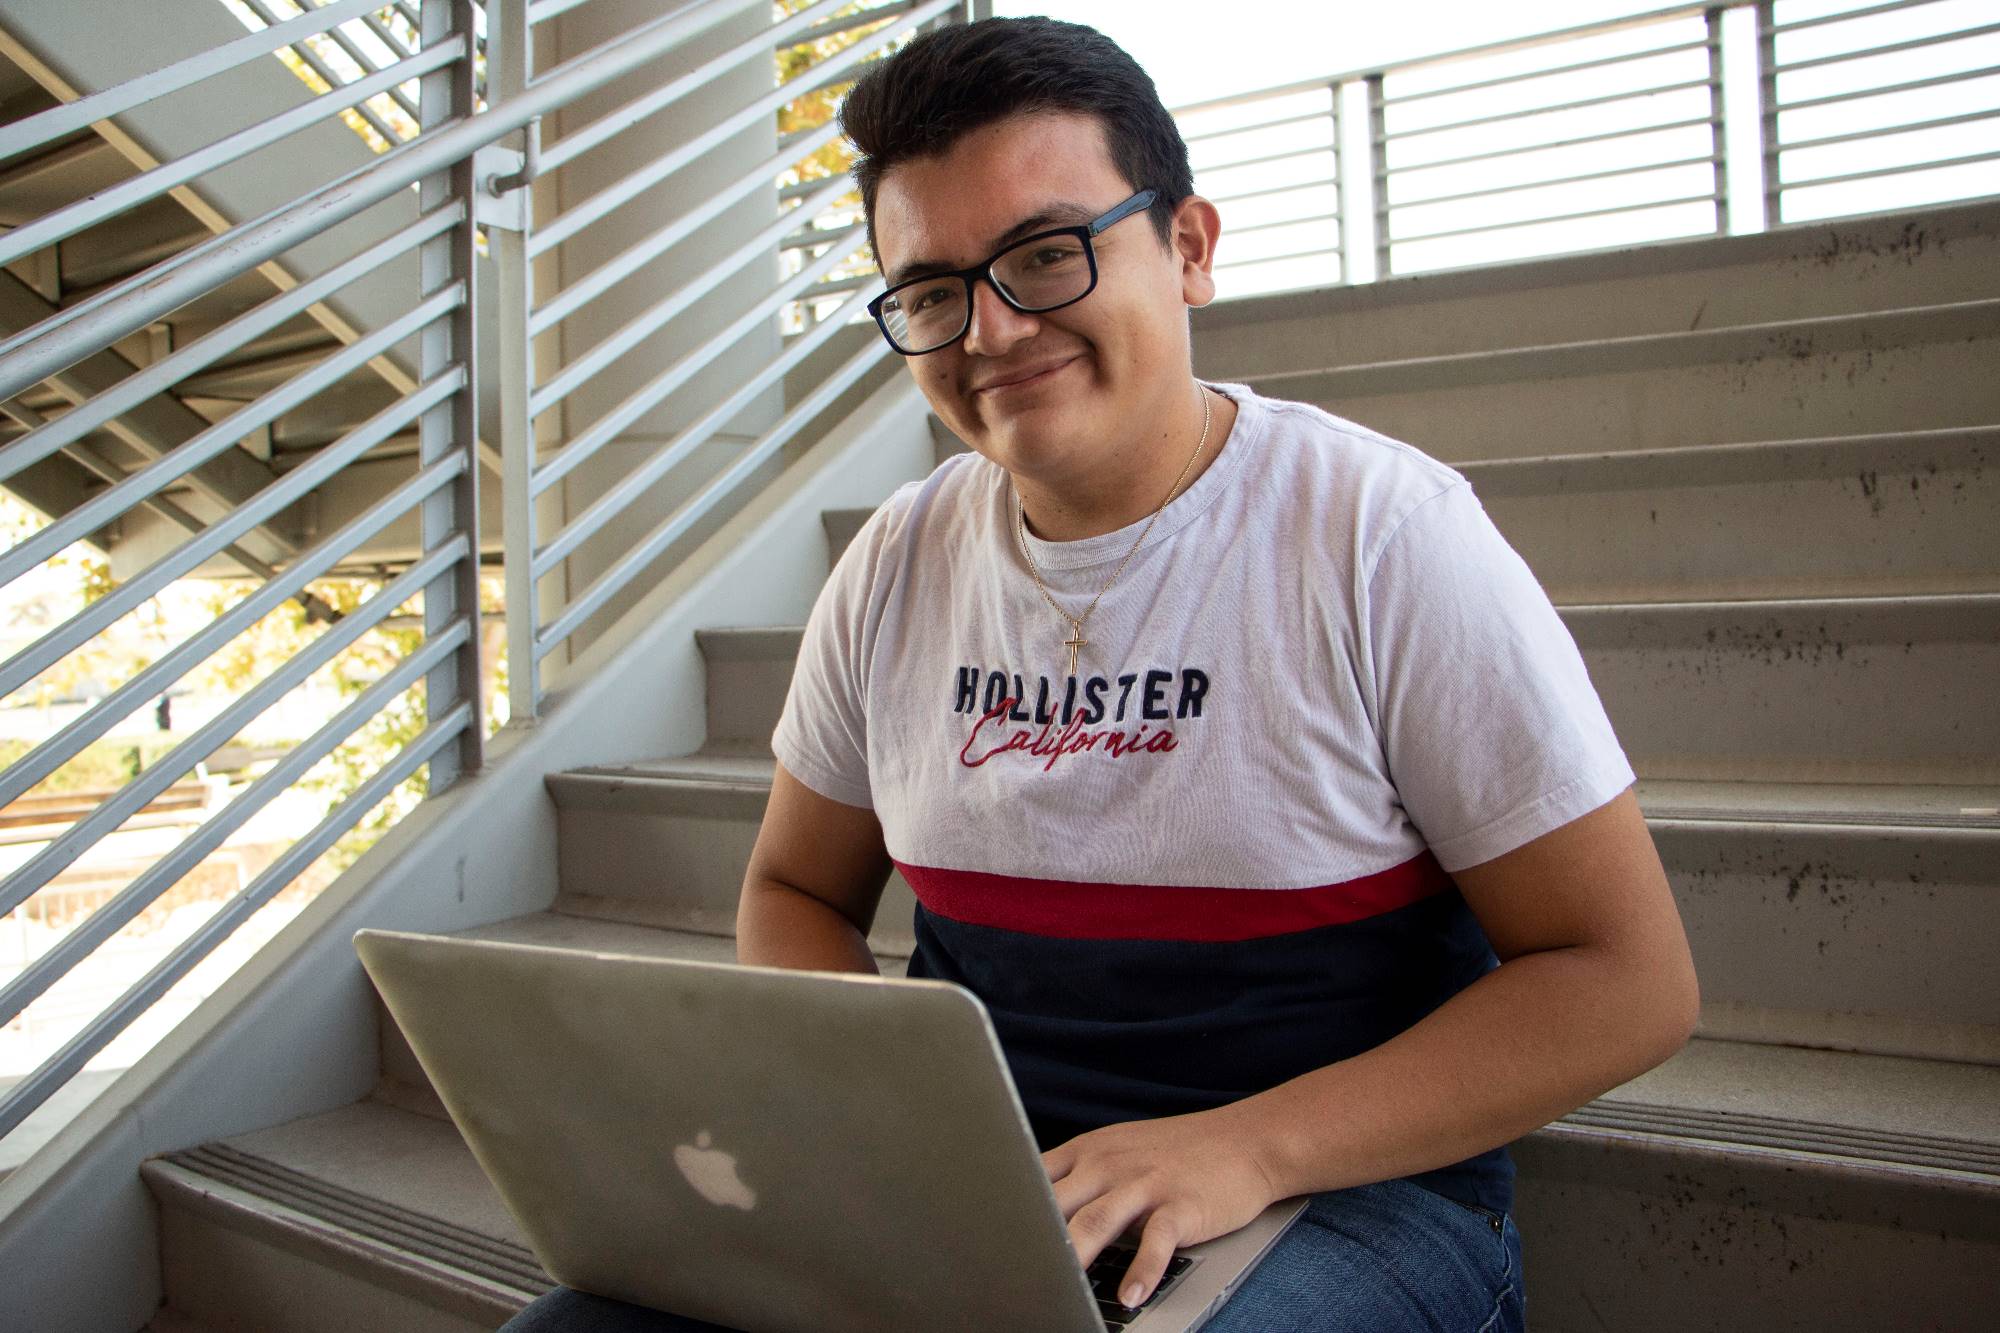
column 995, row 326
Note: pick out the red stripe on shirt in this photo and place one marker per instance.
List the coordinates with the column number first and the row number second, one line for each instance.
column 1071, row 909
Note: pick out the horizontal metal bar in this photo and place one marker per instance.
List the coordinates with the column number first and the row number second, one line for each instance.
column 1708, row 159
column 634, row 561
column 1624, row 95
column 541, row 11
column 625, row 116
column 1699, row 44
column 94, row 513
column 1914, row 44
column 150, row 683
column 361, row 58
column 91, row 209
column 607, row 427
column 56, row 122
column 1799, row 25
column 163, row 874
column 1902, row 169
column 1911, row 85
column 637, row 182
column 293, row 486
column 22, row 1099
column 1281, row 222
column 80, row 837
column 1604, row 137
column 635, row 483
column 1286, row 188
column 1877, row 132
column 218, row 343
column 388, row 37
column 639, row 253
column 312, row 61
column 144, row 298
column 1317, row 150
column 1558, row 217
column 1192, row 139
column 820, row 290
column 806, row 238
column 835, row 27
column 641, row 326
column 1591, row 29
column 1277, row 259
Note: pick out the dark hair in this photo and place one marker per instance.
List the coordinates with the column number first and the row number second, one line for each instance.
column 956, row 79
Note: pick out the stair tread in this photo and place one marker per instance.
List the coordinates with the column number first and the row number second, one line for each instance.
column 1860, row 804
column 1869, row 1111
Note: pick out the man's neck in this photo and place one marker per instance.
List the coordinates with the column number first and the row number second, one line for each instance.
column 1129, row 488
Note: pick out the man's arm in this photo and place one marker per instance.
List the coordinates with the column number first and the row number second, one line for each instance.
column 1595, row 987
column 814, row 880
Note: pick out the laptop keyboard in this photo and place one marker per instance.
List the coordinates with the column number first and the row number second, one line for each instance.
column 1108, row 1271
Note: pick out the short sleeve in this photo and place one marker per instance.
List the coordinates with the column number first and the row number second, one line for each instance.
column 822, row 733
column 1490, row 726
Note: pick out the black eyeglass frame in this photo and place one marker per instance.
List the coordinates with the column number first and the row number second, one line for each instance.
column 984, row 271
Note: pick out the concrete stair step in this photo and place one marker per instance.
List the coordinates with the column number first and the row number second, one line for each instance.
column 666, row 844
column 1827, row 1160
column 365, row 1217
column 1899, row 513
column 1796, row 272
column 1780, row 690
column 1878, row 372
column 1849, row 916
column 1903, row 513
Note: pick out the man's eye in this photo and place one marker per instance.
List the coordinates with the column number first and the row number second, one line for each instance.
column 926, row 299
column 1051, row 256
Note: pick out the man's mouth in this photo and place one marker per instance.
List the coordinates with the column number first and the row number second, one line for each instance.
column 1021, row 377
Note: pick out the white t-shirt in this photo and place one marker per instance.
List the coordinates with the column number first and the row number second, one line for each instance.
column 1324, row 673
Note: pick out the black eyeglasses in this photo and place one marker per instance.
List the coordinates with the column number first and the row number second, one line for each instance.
column 1038, row 273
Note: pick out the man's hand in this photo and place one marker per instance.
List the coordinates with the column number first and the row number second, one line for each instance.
column 1191, row 1177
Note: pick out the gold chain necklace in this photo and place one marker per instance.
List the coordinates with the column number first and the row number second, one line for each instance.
column 1076, row 643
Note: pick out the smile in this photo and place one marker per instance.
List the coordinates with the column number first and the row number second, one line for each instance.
column 1028, row 380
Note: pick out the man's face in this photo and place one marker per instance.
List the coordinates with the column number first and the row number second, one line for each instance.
column 1053, row 394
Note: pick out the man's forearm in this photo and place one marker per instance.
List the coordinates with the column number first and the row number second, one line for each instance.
column 779, row 926
column 1526, row 1043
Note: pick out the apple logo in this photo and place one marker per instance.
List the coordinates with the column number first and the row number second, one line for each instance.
column 712, row 1172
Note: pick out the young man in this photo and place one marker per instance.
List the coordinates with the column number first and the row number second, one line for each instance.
column 1238, row 764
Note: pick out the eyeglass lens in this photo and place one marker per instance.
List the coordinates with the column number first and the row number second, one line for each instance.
column 1038, row 274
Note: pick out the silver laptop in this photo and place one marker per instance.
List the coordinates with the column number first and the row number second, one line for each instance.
column 765, row 1148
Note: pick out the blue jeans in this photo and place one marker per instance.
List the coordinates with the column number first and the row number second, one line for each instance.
column 1378, row 1258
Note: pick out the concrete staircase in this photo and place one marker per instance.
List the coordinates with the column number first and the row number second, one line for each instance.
column 1758, row 476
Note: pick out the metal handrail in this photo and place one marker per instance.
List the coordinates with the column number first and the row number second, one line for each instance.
column 52, row 753
column 634, row 183
column 1390, row 131
column 312, row 61
column 609, row 426
column 53, row 227
column 128, row 306
column 46, row 126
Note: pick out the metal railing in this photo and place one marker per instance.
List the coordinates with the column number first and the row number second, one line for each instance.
column 1606, row 133
column 409, row 72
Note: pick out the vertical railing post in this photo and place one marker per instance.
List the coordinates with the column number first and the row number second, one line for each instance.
column 1378, row 172
column 1718, row 139
column 444, row 95
column 509, row 67
column 1767, row 111
column 1343, row 233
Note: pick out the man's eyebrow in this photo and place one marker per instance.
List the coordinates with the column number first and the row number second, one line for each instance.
column 1055, row 215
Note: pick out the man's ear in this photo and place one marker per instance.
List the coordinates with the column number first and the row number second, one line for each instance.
column 1197, row 227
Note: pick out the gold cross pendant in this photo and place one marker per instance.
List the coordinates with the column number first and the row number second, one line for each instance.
column 1073, row 645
